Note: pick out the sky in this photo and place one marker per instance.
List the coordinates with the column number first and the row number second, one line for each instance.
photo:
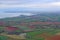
column 27, row 5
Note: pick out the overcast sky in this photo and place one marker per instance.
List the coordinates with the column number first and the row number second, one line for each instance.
column 24, row 5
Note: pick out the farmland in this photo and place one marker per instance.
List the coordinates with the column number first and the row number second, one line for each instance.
column 42, row 34
column 35, row 27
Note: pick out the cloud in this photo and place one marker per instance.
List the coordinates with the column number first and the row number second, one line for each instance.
column 29, row 3
column 3, row 15
column 37, row 5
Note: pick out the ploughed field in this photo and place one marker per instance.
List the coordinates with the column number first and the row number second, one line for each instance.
column 11, row 37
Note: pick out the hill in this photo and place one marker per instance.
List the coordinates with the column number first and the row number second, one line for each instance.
column 38, row 20
column 42, row 17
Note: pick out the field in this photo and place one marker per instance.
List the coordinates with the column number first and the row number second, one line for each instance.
column 11, row 37
column 41, row 34
column 46, row 34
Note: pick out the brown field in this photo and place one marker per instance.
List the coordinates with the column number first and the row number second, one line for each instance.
column 49, row 37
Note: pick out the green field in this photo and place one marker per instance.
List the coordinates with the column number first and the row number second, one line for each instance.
column 33, row 35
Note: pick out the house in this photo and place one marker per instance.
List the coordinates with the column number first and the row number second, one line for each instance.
column 12, row 30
